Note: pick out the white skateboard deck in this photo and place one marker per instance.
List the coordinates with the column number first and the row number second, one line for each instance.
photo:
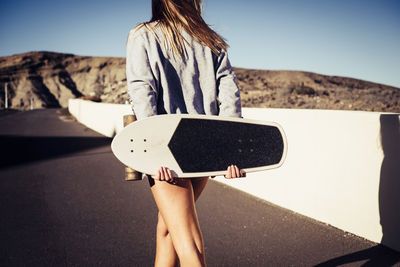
column 200, row 145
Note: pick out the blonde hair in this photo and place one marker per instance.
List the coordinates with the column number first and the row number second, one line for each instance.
column 174, row 15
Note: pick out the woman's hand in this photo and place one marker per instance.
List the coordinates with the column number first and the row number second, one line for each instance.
column 234, row 172
column 164, row 174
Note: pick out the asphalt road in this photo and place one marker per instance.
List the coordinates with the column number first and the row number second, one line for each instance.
column 64, row 202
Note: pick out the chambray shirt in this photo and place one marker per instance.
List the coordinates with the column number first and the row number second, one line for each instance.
column 160, row 82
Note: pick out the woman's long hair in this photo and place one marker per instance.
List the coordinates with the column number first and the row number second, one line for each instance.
column 174, row 15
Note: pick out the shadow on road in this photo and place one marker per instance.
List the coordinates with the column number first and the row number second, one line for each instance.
column 5, row 112
column 24, row 149
column 376, row 256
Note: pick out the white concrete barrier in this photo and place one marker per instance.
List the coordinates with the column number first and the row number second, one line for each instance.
column 342, row 167
column 104, row 118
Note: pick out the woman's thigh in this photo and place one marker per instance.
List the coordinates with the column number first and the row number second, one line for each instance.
column 176, row 206
column 175, row 203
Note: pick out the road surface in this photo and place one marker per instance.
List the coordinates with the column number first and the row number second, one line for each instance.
column 64, row 202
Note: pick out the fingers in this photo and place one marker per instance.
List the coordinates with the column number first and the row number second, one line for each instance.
column 228, row 174
column 172, row 179
column 164, row 174
column 234, row 172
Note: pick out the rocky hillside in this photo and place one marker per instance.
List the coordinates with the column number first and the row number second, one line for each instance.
column 46, row 79
column 298, row 89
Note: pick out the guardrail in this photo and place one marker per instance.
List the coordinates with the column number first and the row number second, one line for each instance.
column 342, row 167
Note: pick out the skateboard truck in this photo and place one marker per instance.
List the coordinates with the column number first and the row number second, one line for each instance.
column 131, row 174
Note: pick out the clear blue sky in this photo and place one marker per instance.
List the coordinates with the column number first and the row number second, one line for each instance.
column 353, row 38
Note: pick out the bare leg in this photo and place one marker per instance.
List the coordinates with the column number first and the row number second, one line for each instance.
column 165, row 251
column 198, row 185
column 176, row 205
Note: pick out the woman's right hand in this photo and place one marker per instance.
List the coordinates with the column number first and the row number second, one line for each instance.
column 234, row 172
column 164, row 174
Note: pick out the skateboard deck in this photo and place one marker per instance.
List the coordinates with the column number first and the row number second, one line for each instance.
column 200, row 145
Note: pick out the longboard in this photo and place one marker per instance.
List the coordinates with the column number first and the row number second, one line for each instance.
column 200, row 145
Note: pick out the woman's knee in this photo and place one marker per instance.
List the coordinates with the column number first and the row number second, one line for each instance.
column 190, row 252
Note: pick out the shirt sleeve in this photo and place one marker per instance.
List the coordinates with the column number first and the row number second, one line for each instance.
column 140, row 79
column 228, row 90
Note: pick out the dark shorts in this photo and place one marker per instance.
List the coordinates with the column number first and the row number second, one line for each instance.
column 151, row 180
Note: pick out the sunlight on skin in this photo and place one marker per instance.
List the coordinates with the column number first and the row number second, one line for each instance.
column 165, row 174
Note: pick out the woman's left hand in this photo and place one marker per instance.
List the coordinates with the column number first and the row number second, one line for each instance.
column 165, row 174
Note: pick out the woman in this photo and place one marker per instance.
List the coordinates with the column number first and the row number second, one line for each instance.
column 176, row 64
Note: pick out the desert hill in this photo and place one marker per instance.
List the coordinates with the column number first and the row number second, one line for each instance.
column 47, row 79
